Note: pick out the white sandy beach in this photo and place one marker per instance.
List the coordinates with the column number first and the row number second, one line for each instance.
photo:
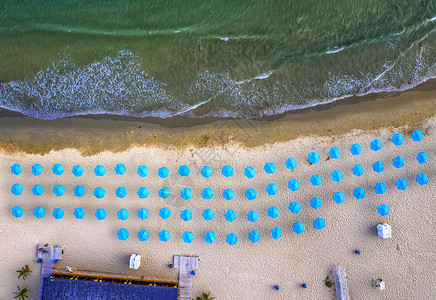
column 245, row 270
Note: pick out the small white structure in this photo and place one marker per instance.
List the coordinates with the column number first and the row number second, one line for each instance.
column 135, row 261
column 384, row 230
column 378, row 284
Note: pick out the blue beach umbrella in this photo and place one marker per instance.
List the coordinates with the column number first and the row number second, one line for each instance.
column 210, row 237
column 188, row 237
column 143, row 235
column 294, row 207
column 334, row 153
column 337, row 176
column 17, row 189
column 355, row 149
column 417, row 135
column 378, row 166
column 206, row 171
column 58, row 213
column 143, row 213
column 163, row 172
column 230, row 215
column 319, row 223
column 228, row 194
column 186, row 215
column 358, row 170
column 99, row 192
column 276, row 233
column 17, row 211
column 380, row 188
column 164, row 192
column 231, row 239
column 207, row 193
column 142, row 171
column 39, row 212
column 99, row 170
column 186, row 193
column 254, row 236
column 249, row 172
column 313, row 157
column 269, row 168
column 123, row 214
column 376, row 145
column 397, row 139
column 227, row 171
column 77, row 171
column 293, row 185
column 79, row 213
column 120, row 169
column 37, row 190
column 252, row 216
column 315, row 180
column 164, row 235
column 184, row 170
column 398, row 162
column 16, row 169
column 291, row 163
column 208, row 214
column 250, row 194
column 383, row 210
column 298, row 227
column 315, row 202
column 58, row 169
column 422, row 179
column 36, row 169
column 59, row 190
column 401, row 184
column 338, row 197
column 142, row 192
column 164, row 213
column 121, row 192
column 123, row 234
column 422, row 157
column 100, row 214
column 273, row 212
column 272, row 189
column 359, row 193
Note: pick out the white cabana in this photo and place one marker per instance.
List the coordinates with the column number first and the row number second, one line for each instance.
column 135, row 261
column 384, row 230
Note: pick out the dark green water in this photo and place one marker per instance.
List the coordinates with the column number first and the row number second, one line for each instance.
column 208, row 58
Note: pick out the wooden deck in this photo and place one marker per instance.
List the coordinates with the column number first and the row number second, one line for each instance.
column 185, row 264
column 53, row 253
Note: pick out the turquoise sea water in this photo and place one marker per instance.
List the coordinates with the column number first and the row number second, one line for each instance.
column 198, row 58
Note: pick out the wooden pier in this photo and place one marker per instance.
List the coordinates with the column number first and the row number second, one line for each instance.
column 48, row 255
column 185, row 264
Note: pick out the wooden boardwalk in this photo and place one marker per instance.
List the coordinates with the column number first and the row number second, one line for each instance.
column 185, row 264
column 48, row 256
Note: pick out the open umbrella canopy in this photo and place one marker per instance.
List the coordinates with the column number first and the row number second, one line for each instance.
column 294, row 207
column 100, row 214
column 383, row 209
column 206, row 171
column 380, row 188
column 163, row 172
column 252, row 216
column 269, row 168
column 164, row 235
column 79, row 213
column 319, row 223
column 123, row 214
column 16, row 169
column 123, row 234
column 59, row 190
column 188, row 237
column 376, row 145
column 401, row 184
column 186, row 215
column 58, row 213
column 291, row 163
column 36, row 169
column 143, row 235
column 99, row 170
column 227, row 171
column 184, row 170
column 142, row 192
column 272, row 189
column 77, row 171
column 17, row 189
column 397, row 139
column 230, row 215
column 273, row 212
column 250, row 194
column 142, row 171
column 359, row 193
column 254, row 236
column 378, row 166
column 355, row 149
column 164, row 213
column 293, row 185
column 99, row 192
column 334, row 153
column 186, row 193
column 143, row 213
column 422, row 179
column 315, row 180
column 417, row 135
column 164, row 192
column 58, row 169
column 120, row 169
column 39, row 212
column 17, row 211
column 276, row 233
column 337, row 176
column 422, row 157
column 207, row 193
column 358, row 170
column 228, row 194
column 313, row 157
column 315, row 202
column 121, row 192
column 398, row 162
column 231, row 239
column 338, row 197
column 210, row 237
column 208, row 214
column 37, row 190
column 249, row 172
column 298, row 227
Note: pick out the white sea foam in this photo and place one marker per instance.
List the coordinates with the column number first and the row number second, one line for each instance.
column 334, row 50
